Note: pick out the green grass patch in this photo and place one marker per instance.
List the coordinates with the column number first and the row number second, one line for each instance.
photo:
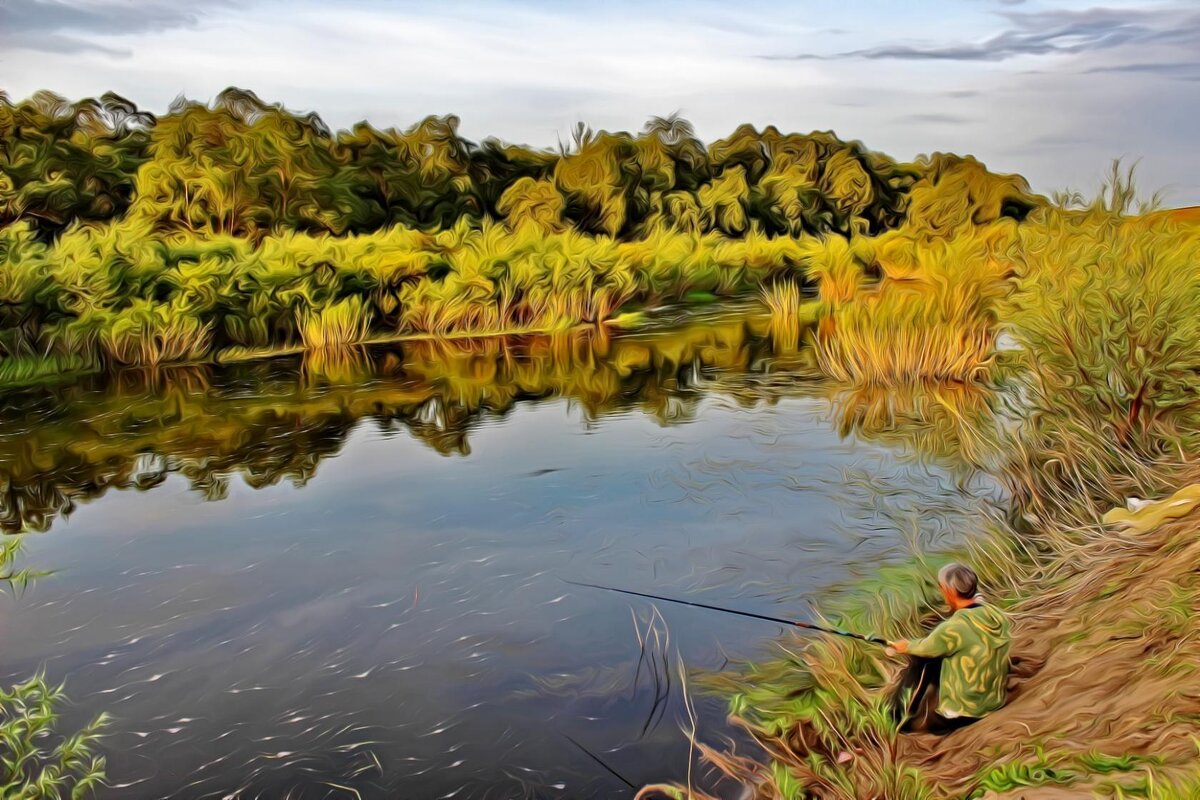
column 699, row 297
column 26, row 370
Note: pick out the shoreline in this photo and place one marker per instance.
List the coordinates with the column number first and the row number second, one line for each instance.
column 632, row 323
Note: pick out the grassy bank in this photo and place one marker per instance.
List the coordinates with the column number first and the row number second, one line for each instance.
column 1103, row 407
column 121, row 295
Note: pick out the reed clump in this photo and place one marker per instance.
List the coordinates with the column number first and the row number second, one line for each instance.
column 790, row 313
column 938, row 325
column 341, row 324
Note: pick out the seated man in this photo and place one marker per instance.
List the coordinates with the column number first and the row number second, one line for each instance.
column 958, row 672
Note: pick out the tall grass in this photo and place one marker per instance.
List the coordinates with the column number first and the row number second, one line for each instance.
column 341, row 324
column 900, row 336
column 1108, row 315
column 834, row 266
column 150, row 335
column 786, row 303
column 939, row 325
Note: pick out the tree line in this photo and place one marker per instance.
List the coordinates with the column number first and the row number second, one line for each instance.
column 243, row 167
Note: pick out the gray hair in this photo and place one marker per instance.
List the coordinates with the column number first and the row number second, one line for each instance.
column 960, row 579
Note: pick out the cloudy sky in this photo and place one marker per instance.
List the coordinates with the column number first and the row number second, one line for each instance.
column 1053, row 90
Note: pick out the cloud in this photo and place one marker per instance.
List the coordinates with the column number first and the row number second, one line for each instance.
column 935, row 119
column 1072, row 140
column 58, row 43
column 1183, row 70
column 66, row 26
column 1047, row 33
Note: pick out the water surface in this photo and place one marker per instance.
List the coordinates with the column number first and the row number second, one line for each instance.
column 345, row 574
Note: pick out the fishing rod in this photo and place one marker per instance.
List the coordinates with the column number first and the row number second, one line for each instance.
column 602, row 763
column 794, row 623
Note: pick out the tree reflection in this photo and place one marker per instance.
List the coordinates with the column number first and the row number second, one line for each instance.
column 270, row 421
column 934, row 421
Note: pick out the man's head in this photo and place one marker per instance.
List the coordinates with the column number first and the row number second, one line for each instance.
column 959, row 584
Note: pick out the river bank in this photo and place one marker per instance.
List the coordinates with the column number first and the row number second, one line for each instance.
column 1107, row 651
column 1102, row 701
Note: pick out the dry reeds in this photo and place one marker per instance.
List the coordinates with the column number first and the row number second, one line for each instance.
column 784, row 300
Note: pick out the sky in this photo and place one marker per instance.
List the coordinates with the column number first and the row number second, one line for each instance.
column 1053, row 91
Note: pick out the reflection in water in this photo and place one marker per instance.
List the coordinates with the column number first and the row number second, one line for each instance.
column 276, row 420
column 940, row 422
column 397, row 625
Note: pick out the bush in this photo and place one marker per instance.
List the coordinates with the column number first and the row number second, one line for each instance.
column 30, row 769
column 1108, row 314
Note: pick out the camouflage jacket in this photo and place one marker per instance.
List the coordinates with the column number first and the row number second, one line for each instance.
column 973, row 645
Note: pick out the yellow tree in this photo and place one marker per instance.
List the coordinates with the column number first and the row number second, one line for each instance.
column 725, row 200
column 534, row 204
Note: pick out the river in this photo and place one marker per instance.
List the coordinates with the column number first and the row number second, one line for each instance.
column 345, row 574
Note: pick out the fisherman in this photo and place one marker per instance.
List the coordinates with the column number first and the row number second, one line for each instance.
column 958, row 672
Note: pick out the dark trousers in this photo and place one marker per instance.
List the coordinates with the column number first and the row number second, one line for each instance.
column 915, row 699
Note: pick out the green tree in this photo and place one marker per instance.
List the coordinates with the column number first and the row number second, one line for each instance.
column 63, row 162
column 242, row 168
column 420, row 177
